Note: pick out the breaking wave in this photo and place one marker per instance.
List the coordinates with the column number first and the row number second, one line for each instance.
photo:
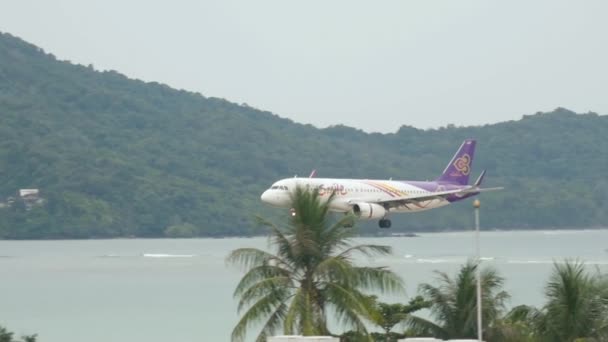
column 550, row 262
column 161, row 255
column 148, row 255
column 436, row 261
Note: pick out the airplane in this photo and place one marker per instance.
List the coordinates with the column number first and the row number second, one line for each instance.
column 376, row 199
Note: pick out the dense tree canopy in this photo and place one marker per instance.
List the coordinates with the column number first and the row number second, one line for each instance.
column 114, row 156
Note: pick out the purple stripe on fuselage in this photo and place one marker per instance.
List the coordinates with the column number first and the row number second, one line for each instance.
column 441, row 186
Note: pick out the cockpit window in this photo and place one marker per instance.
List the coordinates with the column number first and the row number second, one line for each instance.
column 274, row 187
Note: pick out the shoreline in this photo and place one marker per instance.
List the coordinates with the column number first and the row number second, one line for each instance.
column 379, row 234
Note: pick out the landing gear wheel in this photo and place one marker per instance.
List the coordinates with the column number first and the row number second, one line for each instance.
column 384, row 223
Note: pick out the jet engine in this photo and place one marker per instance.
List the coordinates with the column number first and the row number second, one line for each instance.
column 369, row 211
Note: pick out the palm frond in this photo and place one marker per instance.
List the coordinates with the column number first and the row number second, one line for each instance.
column 454, row 301
column 273, row 323
column 338, row 236
column 278, row 239
column 291, row 321
column 367, row 250
column 421, row 327
column 257, row 274
column 350, row 305
column 263, row 288
column 574, row 302
column 260, row 311
column 442, row 306
column 248, row 258
column 377, row 278
column 333, row 269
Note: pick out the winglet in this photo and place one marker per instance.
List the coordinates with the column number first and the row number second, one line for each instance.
column 480, row 178
column 313, row 173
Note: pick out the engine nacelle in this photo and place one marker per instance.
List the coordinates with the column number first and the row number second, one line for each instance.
column 368, row 211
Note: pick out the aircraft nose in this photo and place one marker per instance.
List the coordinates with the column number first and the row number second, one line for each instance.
column 272, row 198
column 265, row 196
column 269, row 197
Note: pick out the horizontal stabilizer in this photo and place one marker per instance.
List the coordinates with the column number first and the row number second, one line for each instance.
column 471, row 190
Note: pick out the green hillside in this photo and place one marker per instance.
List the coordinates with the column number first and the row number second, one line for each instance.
column 114, row 156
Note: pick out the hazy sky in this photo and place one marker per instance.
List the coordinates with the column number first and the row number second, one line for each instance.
column 375, row 65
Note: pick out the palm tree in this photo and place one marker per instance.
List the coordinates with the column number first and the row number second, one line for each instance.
column 576, row 308
column 387, row 316
column 515, row 326
column 454, row 303
column 310, row 275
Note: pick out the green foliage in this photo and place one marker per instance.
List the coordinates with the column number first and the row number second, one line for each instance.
column 454, row 303
column 355, row 336
column 185, row 230
column 515, row 326
column 387, row 316
column 576, row 307
column 7, row 336
column 310, row 274
column 120, row 157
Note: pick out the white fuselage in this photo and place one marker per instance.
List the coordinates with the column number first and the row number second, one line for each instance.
column 352, row 191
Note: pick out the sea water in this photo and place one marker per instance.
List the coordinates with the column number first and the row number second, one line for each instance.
column 158, row 290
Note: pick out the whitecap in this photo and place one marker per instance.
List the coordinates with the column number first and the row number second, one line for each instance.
column 433, row 261
column 161, row 255
column 110, row 256
column 529, row 262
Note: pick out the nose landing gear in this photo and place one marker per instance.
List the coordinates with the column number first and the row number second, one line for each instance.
column 384, row 223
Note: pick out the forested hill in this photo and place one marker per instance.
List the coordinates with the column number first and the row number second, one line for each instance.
column 114, row 157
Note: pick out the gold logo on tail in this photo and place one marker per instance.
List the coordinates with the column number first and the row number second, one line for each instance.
column 463, row 164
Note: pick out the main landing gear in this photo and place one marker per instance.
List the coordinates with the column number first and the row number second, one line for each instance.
column 384, row 223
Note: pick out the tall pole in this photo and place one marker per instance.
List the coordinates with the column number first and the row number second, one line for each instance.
column 476, row 205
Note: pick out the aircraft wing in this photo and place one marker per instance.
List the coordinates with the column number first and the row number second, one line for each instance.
column 393, row 202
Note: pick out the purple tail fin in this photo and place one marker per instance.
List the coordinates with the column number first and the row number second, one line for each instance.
column 459, row 168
